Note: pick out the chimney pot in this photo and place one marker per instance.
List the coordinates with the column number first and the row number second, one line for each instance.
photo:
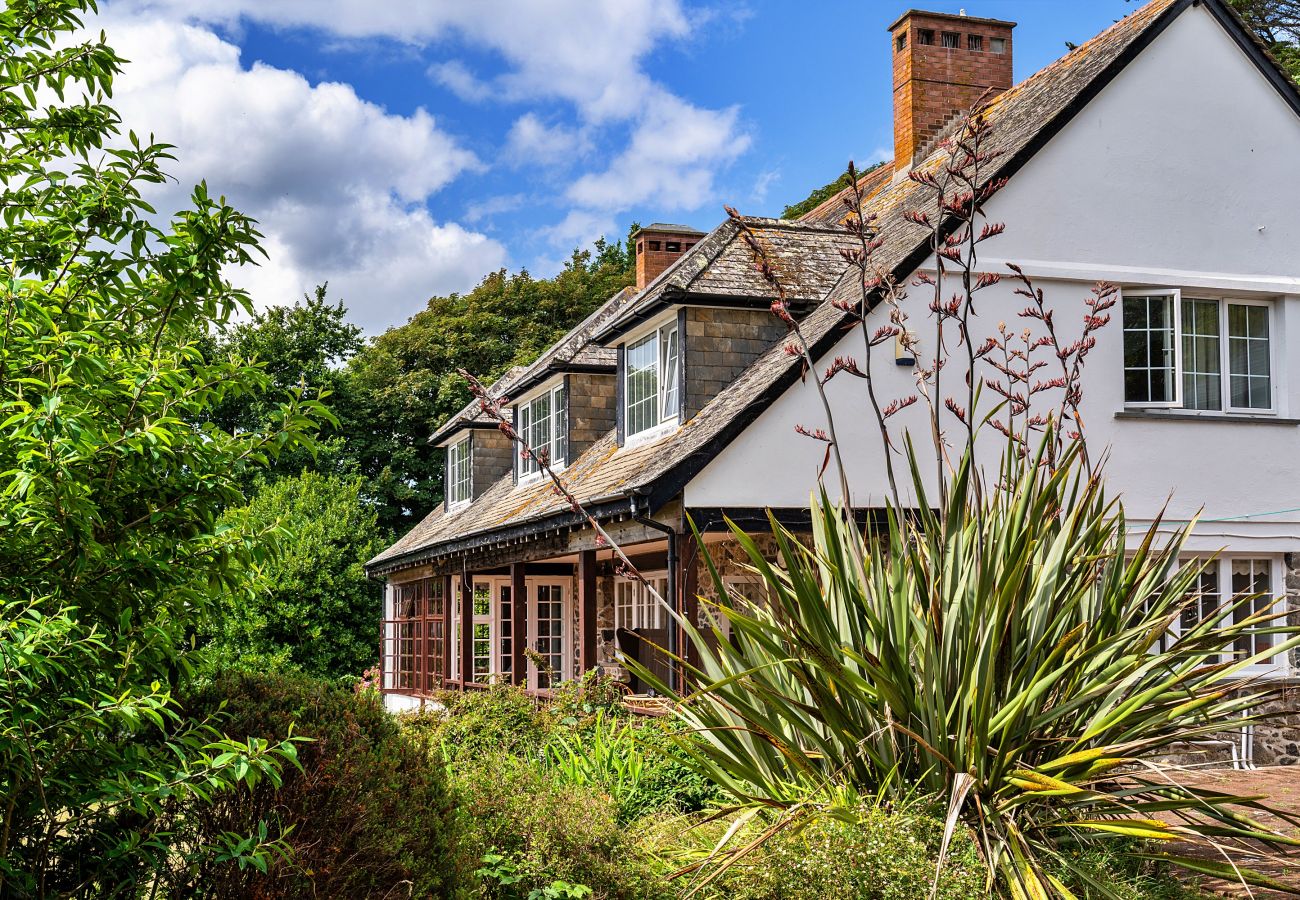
column 936, row 79
column 658, row 246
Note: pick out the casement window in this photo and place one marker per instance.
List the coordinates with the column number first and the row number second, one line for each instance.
column 548, row 634
column 1197, row 352
column 652, row 380
column 415, row 646
column 544, row 425
column 635, row 608
column 491, row 629
column 1248, row 582
column 458, row 473
column 481, row 631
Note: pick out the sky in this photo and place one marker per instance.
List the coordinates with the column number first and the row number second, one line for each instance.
column 399, row 149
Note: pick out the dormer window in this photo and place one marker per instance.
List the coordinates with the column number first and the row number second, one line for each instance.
column 544, row 424
column 458, row 473
column 652, row 389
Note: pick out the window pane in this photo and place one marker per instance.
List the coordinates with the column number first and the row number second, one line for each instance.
column 1249, row 363
column 671, row 377
column 642, row 386
column 1202, row 379
column 560, row 426
column 458, row 472
column 1252, row 578
column 1148, row 349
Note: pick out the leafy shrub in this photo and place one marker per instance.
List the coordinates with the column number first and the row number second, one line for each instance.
column 502, row 719
column 578, row 701
column 544, row 831
column 638, row 762
column 873, row 855
column 311, row 608
column 368, row 813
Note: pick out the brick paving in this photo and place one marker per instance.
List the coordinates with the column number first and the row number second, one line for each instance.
column 1281, row 786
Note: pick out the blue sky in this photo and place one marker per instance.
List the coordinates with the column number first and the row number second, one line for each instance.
column 401, row 149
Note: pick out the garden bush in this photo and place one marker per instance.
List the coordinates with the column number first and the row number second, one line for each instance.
column 542, row 830
column 874, row 854
column 466, row 725
column 368, row 815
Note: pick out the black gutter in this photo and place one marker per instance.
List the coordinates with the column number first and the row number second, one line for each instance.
column 674, row 630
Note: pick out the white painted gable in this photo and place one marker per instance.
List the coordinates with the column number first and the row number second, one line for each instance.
column 1183, row 172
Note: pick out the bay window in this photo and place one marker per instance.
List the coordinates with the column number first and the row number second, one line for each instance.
column 458, row 473
column 1197, row 352
column 544, row 425
column 415, row 632
column 652, row 380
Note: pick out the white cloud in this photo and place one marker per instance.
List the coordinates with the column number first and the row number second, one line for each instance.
column 587, row 53
column 337, row 183
column 670, row 162
column 532, row 142
column 494, row 206
column 580, row 227
column 455, row 77
column 762, row 184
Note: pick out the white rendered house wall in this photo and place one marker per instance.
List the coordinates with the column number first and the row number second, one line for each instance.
column 1181, row 173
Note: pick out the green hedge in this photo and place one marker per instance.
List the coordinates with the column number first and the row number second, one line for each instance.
column 370, row 813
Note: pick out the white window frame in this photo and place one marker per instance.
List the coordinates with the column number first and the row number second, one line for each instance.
column 1279, row 666
column 1176, row 300
column 667, row 418
column 635, row 608
column 1225, row 374
column 1271, row 319
column 460, row 454
column 565, row 671
column 529, row 470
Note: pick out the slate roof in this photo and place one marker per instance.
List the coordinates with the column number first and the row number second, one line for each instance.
column 573, row 351
column 805, row 254
column 1023, row 119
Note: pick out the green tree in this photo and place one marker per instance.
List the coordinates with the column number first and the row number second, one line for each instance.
column 303, row 346
column 821, row 195
column 311, row 608
column 404, row 384
column 112, row 474
column 1277, row 22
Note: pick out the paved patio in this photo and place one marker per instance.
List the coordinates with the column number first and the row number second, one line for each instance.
column 1281, row 785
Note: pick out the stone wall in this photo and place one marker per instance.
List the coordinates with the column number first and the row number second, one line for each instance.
column 720, row 344
column 593, row 401
column 492, row 456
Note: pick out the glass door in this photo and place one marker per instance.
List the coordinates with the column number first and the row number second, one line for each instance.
column 548, row 634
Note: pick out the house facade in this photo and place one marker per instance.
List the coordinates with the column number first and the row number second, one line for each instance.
column 1162, row 156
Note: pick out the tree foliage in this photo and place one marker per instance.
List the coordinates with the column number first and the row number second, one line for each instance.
column 298, row 347
column 112, row 472
column 404, row 383
column 821, row 195
column 1277, row 22
column 311, row 608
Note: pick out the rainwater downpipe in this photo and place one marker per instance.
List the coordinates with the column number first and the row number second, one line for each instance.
column 673, row 629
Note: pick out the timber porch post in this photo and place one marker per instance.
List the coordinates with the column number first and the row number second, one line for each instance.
column 586, row 611
column 466, row 628
column 519, row 622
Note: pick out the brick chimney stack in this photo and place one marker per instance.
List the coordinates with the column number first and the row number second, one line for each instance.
column 942, row 65
column 658, row 246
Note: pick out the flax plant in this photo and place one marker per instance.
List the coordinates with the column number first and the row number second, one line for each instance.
column 1007, row 663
